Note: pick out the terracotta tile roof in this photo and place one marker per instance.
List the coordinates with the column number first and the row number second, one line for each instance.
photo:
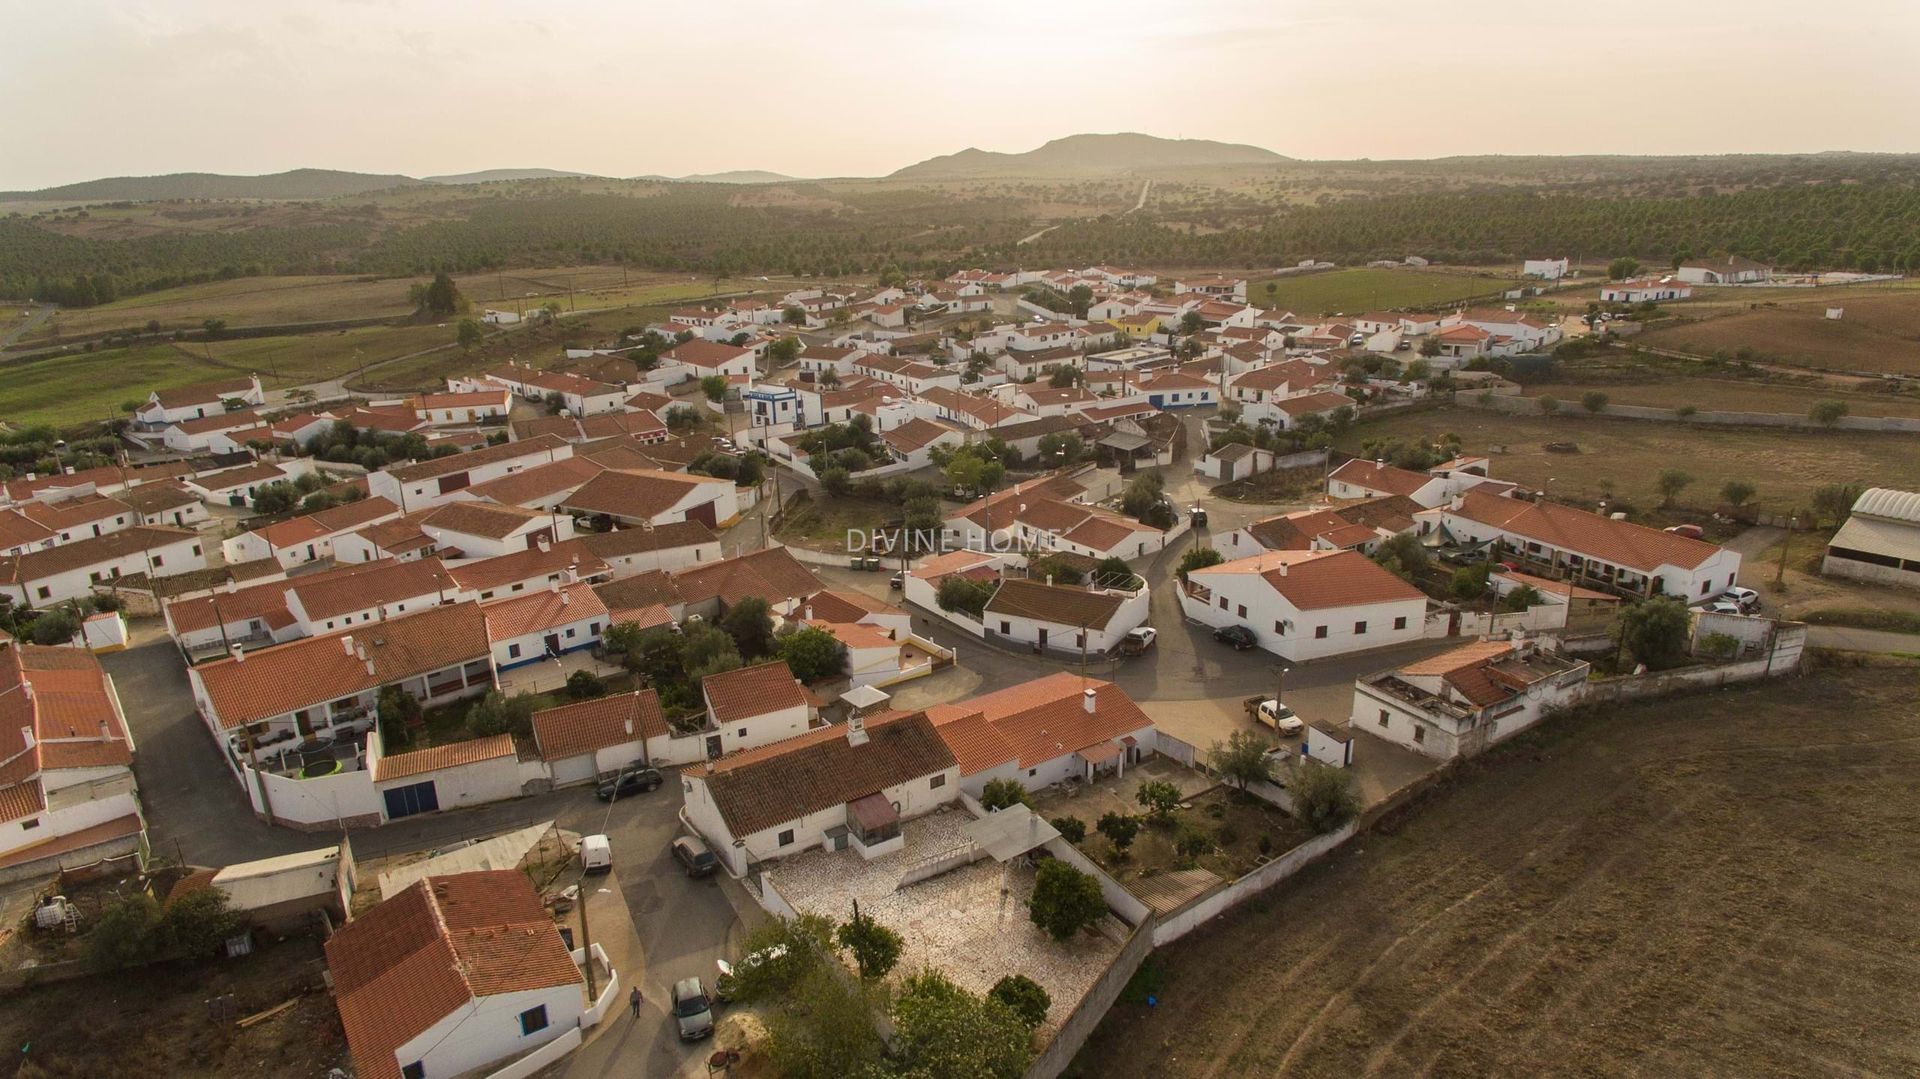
column 1297, row 531
column 1105, row 531
column 485, row 519
column 435, row 758
column 952, row 562
column 72, row 512
column 399, row 535
column 380, row 583
column 225, row 479
column 560, row 426
column 641, row 424
column 630, row 541
column 61, row 695
column 915, row 434
column 19, row 530
column 538, row 483
column 1064, row 605
column 443, row 942
column 529, row 565
column 284, row 677
column 639, row 494
column 1550, row 586
column 536, row 611
column 1380, row 477
column 761, row 788
column 651, row 588
column 38, row 565
column 499, row 398
column 751, row 691
column 1001, row 505
column 1323, row 401
column 461, row 462
column 700, row 352
column 832, row 606
column 976, row 744
column 1047, row 718
column 773, row 574
column 1622, row 543
column 1320, row 580
column 585, row 726
column 854, row 634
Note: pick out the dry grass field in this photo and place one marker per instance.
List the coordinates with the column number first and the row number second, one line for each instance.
column 1674, row 387
column 1721, row 884
column 1880, row 332
column 1785, row 465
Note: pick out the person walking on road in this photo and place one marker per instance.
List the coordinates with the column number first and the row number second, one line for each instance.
column 633, row 999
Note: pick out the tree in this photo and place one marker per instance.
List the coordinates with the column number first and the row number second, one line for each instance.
column 1323, row 796
column 442, row 297
column 1430, row 347
column 555, row 402
column 1419, row 371
column 1593, row 401
column 1024, row 996
column 125, row 933
column 1071, row 828
column 708, row 650
column 1526, row 597
column 1670, row 483
column 1080, row 297
column 813, row 654
column 1159, row 798
column 1622, row 268
column 1141, row 493
column 1833, row 502
column 714, row 387
column 944, row 1030
column 1198, row 558
column 1654, row 631
column 1054, row 568
column 1065, row 900
column 1241, row 759
column 1548, row 404
column 276, row 497
column 836, row 480
column 585, row 686
column 397, row 712
column 54, row 627
column 783, row 351
column 497, row 713
column 788, row 950
column 215, row 328
column 825, row 1029
column 1470, row 582
column 681, row 419
column 750, row 624
column 875, row 947
column 1827, row 413
column 794, row 315
column 1001, row 793
column 1402, row 554
column 471, row 333
column 1119, row 828
column 957, row 593
column 197, row 923
column 1191, row 322
column 1737, row 493
column 1113, row 572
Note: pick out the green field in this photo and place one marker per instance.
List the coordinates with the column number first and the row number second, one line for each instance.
column 1368, row 289
column 66, row 390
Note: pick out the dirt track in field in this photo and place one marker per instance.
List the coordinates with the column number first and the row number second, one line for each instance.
column 1723, row 884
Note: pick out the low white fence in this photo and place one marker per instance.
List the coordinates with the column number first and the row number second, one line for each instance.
column 609, row 996
column 1119, row 900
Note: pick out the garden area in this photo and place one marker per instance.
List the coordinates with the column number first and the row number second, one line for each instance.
column 1221, row 830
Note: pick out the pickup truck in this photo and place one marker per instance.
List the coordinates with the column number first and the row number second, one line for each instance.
column 1271, row 713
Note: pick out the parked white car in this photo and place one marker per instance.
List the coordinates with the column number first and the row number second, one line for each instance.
column 1747, row 598
column 1280, row 717
column 1723, row 606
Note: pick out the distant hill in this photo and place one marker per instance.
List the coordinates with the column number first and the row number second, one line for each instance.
column 297, row 184
column 737, row 176
column 489, row 175
column 1088, row 154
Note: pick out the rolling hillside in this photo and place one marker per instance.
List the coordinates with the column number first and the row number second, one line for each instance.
column 296, row 184
column 1077, row 155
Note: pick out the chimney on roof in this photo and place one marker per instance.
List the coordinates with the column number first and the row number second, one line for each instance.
column 1283, row 569
column 544, row 545
column 346, row 643
column 1087, row 699
column 360, row 650
column 239, row 656
column 369, row 668
column 856, row 731
column 105, row 734
column 566, row 598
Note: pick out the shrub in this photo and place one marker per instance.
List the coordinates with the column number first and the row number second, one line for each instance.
column 125, row 933
column 1071, row 828
column 497, row 713
column 197, row 923
column 585, row 686
column 1241, row 759
column 1654, row 632
column 875, row 947
column 1159, row 798
column 1065, row 900
column 1001, row 793
column 1548, row 404
column 1192, row 841
column 1593, row 401
column 1323, row 796
column 1199, row 558
column 1025, row 997
column 1119, row 828
column 1827, row 413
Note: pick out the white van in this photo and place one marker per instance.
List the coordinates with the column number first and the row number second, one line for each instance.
column 596, row 853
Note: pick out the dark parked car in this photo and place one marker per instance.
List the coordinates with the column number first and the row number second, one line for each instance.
column 1240, row 637
column 694, row 857
column 630, row 782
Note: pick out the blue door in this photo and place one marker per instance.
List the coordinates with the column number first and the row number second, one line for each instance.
column 411, row 799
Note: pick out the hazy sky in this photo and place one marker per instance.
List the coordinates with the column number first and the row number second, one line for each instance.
column 861, row 87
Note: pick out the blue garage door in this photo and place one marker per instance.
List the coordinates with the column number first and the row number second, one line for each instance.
column 408, row 800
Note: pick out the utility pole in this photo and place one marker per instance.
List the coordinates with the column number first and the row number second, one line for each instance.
column 1279, row 692
column 1780, row 575
column 586, row 943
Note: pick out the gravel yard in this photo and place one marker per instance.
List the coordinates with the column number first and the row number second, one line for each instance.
column 970, row 923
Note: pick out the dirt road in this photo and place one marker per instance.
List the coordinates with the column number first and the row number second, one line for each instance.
column 1721, row 884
